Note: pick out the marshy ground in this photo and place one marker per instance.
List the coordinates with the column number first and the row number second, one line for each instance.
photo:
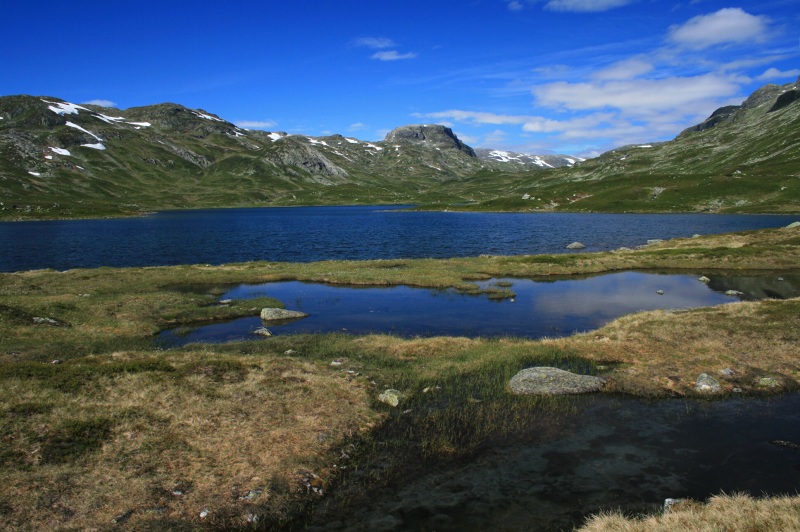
column 98, row 425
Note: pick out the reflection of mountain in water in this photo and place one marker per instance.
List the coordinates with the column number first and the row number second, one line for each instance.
column 759, row 286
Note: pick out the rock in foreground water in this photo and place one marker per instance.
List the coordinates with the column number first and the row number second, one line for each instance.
column 271, row 314
column 553, row 381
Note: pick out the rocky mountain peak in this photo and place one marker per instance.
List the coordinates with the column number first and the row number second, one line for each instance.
column 436, row 135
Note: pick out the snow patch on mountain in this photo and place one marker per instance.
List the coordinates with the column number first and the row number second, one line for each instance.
column 64, row 108
column 79, row 128
column 60, row 151
column 207, row 116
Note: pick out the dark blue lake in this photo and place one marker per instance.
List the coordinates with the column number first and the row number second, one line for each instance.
column 307, row 234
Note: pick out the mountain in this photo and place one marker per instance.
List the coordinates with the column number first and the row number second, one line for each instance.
column 742, row 158
column 59, row 159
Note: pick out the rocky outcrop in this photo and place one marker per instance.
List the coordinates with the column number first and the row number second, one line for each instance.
column 436, row 135
column 553, row 381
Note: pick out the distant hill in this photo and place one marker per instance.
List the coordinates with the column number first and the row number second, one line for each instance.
column 59, row 159
column 743, row 158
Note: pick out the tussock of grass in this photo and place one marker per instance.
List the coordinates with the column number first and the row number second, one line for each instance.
column 733, row 513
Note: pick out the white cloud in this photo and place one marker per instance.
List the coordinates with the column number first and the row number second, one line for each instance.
column 585, row 6
column 101, row 103
column 626, row 69
column 640, row 97
column 476, row 117
column 358, row 126
column 374, row 42
column 515, row 6
column 774, row 73
column 726, row 26
column 256, row 124
column 393, row 55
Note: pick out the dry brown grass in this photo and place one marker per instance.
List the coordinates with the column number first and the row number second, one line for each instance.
column 179, row 444
column 731, row 513
column 662, row 351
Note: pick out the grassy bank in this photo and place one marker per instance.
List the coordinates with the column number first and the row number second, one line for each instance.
column 99, row 425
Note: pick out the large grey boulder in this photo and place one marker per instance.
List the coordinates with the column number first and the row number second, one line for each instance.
column 553, row 381
column 274, row 314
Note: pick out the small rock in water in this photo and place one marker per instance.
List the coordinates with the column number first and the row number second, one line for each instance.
column 793, row 225
column 262, row 331
column 270, row 314
column 576, row 245
column 733, row 293
column 707, row 384
column 704, row 279
column 660, row 292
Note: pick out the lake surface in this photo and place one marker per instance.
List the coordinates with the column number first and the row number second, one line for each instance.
column 616, row 452
column 307, row 234
column 539, row 309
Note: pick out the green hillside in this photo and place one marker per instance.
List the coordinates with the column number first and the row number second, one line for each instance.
column 58, row 159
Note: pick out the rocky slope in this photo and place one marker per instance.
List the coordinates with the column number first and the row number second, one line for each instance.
column 62, row 159
column 743, row 158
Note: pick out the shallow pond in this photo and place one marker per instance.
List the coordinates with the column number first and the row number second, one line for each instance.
column 614, row 453
column 538, row 309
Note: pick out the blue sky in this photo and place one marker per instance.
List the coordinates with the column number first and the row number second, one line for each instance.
column 539, row 76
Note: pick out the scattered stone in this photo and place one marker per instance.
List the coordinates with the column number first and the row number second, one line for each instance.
column 704, row 279
column 225, row 301
column 204, row 513
column 623, row 249
column 553, row 381
column 696, row 235
column 784, row 443
column 576, row 245
column 654, row 241
column 737, row 390
column 707, row 384
column 728, row 372
column 660, row 292
column 780, row 278
column 46, row 321
column 768, row 382
column 338, row 361
column 274, row 314
column 793, row 225
column 390, row 397
column 262, row 331
column 56, row 361
column 669, row 503
column 733, row 293
column 252, row 494
column 121, row 518
column 290, row 352
column 311, row 482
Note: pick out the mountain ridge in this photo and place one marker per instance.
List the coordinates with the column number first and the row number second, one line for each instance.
column 59, row 159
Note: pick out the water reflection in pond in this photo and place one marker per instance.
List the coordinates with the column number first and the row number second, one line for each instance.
column 615, row 452
column 538, row 309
